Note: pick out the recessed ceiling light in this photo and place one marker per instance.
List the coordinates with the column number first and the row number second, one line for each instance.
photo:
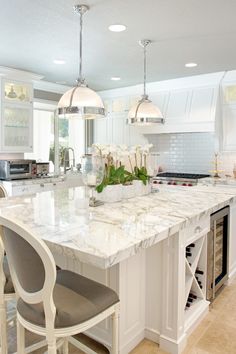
column 115, row 78
column 190, row 65
column 59, row 61
column 117, row 28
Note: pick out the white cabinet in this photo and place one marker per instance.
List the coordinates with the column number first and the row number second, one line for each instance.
column 229, row 128
column 16, row 116
column 185, row 110
column 113, row 129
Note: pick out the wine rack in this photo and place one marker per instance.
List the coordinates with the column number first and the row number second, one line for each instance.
column 195, row 278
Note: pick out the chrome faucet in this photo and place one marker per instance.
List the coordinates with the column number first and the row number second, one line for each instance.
column 67, row 150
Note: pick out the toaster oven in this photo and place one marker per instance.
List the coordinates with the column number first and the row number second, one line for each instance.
column 17, row 169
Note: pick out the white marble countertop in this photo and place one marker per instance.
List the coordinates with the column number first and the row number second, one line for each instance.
column 108, row 234
column 23, row 182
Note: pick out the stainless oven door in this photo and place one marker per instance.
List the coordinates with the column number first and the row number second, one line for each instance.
column 21, row 169
column 217, row 252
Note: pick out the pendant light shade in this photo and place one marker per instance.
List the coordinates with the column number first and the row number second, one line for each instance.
column 81, row 101
column 144, row 112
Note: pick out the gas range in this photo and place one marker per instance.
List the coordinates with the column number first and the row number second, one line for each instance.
column 178, row 179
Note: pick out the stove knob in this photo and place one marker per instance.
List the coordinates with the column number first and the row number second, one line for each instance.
column 174, row 184
column 184, row 184
column 169, row 183
column 155, row 182
column 160, row 182
column 190, row 185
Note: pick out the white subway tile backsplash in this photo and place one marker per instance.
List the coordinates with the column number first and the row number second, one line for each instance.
column 184, row 152
column 190, row 152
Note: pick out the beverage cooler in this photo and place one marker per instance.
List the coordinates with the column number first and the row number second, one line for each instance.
column 217, row 264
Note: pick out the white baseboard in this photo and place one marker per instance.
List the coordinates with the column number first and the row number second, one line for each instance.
column 152, row 335
column 133, row 342
column 172, row 346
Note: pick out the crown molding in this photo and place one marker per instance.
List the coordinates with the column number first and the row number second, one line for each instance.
column 16, row 74
column 50, row 87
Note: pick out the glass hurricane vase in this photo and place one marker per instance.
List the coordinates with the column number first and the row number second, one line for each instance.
column 92, row 169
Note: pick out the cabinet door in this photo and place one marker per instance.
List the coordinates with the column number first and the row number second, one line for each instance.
column 17, row 92
column 229, row 128
column 100, row 130
column 16, row 128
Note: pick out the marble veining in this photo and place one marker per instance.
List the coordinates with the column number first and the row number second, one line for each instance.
column 108, row 234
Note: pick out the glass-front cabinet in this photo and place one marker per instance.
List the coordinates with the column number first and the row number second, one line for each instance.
column 16, row 116
column 17, row 92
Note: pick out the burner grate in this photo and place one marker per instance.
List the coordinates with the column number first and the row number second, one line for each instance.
column 182, row 175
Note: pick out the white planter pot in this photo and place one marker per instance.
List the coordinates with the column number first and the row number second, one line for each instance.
column 111, row 194
column 128, row 191
column 138, row 185
column 141, row 189
column 146, row 189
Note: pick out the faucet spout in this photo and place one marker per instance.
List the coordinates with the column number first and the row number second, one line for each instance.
column 65, row 159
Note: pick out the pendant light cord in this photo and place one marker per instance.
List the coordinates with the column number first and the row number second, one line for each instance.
column 144, row 69
column 81, row 80
column 80, row 9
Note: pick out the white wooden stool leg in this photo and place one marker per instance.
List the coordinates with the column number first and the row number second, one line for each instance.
column 3, row 328
column 115, row 332
column 65, row 347
column 20, row 338
column 52, row 346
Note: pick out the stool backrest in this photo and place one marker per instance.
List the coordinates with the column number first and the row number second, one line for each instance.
column 3, row 194
column 32, row 267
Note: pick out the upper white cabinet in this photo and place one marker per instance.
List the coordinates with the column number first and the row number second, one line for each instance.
column 16, row 116
column 229, row 128
column 186, row 110
column 188, row 105
column 16, row 110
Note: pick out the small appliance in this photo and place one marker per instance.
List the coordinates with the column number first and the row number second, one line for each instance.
column 17, row 169
column 42, row 169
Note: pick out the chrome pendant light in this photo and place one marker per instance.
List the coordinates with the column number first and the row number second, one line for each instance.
column 144, row 112
column 81, row 101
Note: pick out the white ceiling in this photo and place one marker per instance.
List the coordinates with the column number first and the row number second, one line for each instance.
column 34, row 33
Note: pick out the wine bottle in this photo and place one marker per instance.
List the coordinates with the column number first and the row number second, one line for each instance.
column 198, row 271
column 191, row 245
column 193, row 296
column 188, row 254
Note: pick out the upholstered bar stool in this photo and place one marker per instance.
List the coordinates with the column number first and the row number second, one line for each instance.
column 53, row 304
column 7, row 292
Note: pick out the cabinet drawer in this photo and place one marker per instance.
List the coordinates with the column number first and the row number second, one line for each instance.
column 197, row 230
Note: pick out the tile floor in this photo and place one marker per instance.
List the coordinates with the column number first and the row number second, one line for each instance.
column 216, row 334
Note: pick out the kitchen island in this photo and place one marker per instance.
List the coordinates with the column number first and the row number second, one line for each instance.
column 138, row 248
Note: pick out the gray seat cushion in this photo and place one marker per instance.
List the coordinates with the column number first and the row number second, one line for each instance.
column 77, row 299
column 9, row 288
